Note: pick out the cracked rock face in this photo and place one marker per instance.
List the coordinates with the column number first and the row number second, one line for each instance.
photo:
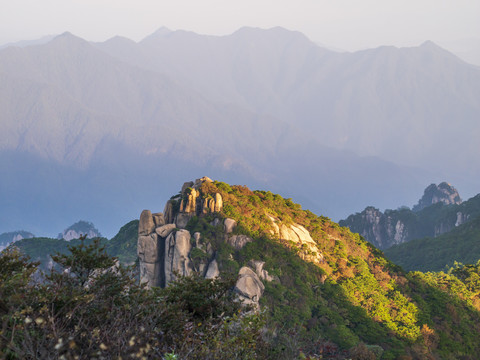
column 164, row 246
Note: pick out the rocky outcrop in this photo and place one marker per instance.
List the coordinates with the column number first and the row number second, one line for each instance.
column 213, row 270
column 257, row 265
column 10, row 237
column 146, row 225
column 300, row 238
column 239, row 241
column 443, row 192
column 176, row 260
column 81, row 228
column 249, row 287
column 461, row 218
column 165, row 230
column 165, row 246
column 149, row 250
column 229, row 225
column 166, row 249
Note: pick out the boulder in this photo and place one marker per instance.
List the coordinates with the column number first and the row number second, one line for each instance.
column 186, row 186
column 249, row 286
column 177, row 248
column 211, row 205
column 182, row 219
column 146, row 225
column 168, row 212
column 296, row 233
column 239, row 241
column 229, row 225
column 302, row 233
column 148, row 248
column 199, row 182
column 165, row 230
column 218, row 202
column 158, row 219
column 212, row 271
column 205, row 206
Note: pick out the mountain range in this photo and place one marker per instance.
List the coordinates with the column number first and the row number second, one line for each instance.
column 98, row 130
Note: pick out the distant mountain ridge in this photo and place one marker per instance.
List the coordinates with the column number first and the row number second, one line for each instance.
column 93, row 121
column 13, row 236
column 439, row 211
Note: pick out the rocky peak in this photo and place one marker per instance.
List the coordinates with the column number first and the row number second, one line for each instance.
column 167, row 249
column 441, row 193
column 78, row 229
column 10, row 237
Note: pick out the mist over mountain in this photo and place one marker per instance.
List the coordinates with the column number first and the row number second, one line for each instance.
column 98, row 130
column 400, row 104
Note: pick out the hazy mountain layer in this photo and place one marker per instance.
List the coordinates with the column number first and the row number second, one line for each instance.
column 400, row 104
column 91, row 130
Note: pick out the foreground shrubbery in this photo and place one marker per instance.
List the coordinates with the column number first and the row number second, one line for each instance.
column 95, row 309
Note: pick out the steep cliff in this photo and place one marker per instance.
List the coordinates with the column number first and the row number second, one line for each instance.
column 439, row 211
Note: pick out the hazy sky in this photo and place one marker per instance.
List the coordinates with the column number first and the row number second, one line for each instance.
column 347, row 24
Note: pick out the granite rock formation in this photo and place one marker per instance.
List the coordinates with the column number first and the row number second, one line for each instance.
column 166, row 249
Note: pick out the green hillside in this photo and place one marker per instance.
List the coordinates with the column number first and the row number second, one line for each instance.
column 124, row 244
column 462, row 244
column 354, row 296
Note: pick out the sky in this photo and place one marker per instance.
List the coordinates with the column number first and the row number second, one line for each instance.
column 343, row 24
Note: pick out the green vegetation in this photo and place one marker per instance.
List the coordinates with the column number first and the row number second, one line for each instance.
column 434, row 254
column 124, row 244
column 96, row 310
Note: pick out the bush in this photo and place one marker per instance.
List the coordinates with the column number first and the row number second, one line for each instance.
column 93, row 308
